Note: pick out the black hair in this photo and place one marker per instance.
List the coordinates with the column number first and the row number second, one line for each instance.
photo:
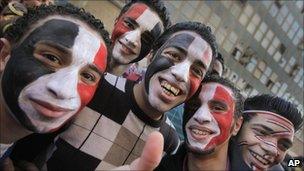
column 23, row 24
column 220, row 58
column 199, row 28
column 156, row 5
column 276, row 105
column 194, row 103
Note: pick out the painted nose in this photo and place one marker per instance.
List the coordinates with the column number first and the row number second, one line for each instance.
column 202, row 115
column 133, row 38
column 63, row 84
column 181, row 71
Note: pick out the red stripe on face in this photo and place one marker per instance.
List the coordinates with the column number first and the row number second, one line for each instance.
column 194, row 84
column 135, row 11
column 225, row 119
column 100, row 59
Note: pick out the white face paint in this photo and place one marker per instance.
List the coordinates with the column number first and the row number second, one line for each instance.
column 128, row 32
column 172, row 86
column 54, row 98
column 202, row 126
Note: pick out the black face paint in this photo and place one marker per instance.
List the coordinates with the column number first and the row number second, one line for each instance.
column 147, row 39
column 161, row 62
column 23, row 68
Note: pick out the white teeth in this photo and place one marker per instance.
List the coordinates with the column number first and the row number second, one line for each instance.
column 260, row 159
column 170, row 88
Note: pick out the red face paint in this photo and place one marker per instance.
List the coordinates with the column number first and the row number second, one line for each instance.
column 224, row 119
column 194, row 84
column 135, row 11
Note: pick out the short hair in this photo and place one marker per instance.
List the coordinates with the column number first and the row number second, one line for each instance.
column 276, row 105
column 23, row 24
column 156, row 5
column 199, row 28
column 193, row 103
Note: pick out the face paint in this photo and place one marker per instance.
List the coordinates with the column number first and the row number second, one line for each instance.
column 134, row 33
column 210, row 125
column 265, row 139
column 59, row 65
column 177, row 70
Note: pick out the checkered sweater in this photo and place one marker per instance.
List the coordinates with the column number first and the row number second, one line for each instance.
column 110, row 132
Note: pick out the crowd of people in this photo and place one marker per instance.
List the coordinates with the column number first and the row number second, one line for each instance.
column 71, row 100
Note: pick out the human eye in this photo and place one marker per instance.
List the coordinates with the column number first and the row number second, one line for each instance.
column 49, row 59
column 89, row 76
column 260, row 132
column 217, row 107
column 127, row 22
column 197, row 71
column 283, row 145
column 174, row 56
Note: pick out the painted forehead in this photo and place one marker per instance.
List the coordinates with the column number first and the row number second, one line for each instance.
column 275, row 119
column 145, row 17
column 216, row 91
column 191, row 41
column 70, row 35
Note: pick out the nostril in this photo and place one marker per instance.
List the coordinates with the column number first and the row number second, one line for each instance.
column 52, row 92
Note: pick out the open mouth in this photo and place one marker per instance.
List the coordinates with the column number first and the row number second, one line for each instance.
column 47, row 109
column 200, row 132
column 126, row 49
column 169, row 89
column 260, row 158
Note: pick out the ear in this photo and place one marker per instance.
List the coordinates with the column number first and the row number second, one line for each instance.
column 237, row 126
column 4, row 52
column 149, row 57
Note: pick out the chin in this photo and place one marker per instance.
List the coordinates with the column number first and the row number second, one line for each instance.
column 158, row 104
column 198, row 151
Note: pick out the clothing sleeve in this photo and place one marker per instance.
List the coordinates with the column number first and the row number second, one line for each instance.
column 171, row 139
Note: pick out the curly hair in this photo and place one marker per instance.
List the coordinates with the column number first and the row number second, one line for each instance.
column 23, row 24
column 156, row 5
column 197, row 27
column 274, row 104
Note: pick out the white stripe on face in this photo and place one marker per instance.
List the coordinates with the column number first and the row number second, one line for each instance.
column 148, row 20
column 61, row 87
column 198, row 48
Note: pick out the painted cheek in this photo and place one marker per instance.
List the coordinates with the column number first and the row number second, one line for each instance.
column 100, row 59
column 86, row 93
column 194, row 84
column 207, row 56
column 224, row 120
column 134, row 12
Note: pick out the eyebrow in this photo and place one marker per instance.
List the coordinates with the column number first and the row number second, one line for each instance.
column 202, row 64
column 95, row 68
column 131, row 20
column 264, row 127
column 57, row 46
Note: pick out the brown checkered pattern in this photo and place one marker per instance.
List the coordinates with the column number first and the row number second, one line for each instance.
column 113, row 138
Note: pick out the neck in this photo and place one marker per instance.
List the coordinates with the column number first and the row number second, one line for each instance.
column 117, row 68
column 215, row 161
column 141, row 98
column 10, row 129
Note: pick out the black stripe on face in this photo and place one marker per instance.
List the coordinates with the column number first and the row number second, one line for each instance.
column 160, row 62
column 147, row 39
column 23, row 68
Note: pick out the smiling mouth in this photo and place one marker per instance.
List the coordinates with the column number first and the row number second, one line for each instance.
column 200, row 133
column 48, row 109
column 260, row 158
column 169, row 89
column 126, row 49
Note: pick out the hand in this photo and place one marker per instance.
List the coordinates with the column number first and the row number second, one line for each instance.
column 151, row 155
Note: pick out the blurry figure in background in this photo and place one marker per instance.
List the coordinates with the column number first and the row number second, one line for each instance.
column 134, row 73
column 267, row 133
column 218, row 65
column 10, row 14
column 138, row 25
column 36, row 3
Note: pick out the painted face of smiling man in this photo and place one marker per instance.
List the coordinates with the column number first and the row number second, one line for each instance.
column 210, row 118
column 177, row 69
column 134, row 32
column 265, row 139
column 53, row 72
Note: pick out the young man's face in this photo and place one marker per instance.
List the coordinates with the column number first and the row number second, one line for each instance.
column 177, row 69
column 53, row 72
column 265, row 139
column 134, row 32
column 211, row 124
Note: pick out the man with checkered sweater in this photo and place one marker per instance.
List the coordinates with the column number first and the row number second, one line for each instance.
column 113, row 129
